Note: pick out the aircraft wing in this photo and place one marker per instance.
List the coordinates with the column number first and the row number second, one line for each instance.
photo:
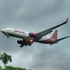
column 47, row 31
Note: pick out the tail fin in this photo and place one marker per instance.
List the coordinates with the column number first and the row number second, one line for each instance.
column 54, row 35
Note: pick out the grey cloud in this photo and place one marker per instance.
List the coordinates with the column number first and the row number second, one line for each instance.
column 36, row 15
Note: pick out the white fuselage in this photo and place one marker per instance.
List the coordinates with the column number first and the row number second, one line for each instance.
column 18, row 33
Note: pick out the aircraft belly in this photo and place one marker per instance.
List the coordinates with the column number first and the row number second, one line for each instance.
column 18, row 35
column 45, row 42
column 15, row 34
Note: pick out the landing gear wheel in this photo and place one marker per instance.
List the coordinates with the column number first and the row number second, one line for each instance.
column 7, row 36
column 29, row 44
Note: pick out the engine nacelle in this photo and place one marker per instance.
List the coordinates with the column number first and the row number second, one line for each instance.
column 20, row 41
column 32, row 34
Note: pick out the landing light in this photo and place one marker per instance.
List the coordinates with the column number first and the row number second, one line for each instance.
column 31, row 41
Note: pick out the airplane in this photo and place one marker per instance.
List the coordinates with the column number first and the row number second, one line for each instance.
column 30, row 37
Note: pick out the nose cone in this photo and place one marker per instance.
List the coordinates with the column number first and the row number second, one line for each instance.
column 1, row 30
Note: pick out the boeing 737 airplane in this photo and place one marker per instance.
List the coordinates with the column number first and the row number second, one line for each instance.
column 30, row 37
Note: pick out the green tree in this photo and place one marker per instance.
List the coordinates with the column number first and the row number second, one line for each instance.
column 14, row 68
column 5, row 58
column 0, row 68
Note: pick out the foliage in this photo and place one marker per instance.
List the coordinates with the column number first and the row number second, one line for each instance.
column 5, row 58
column 13, row 68
column 0, row 68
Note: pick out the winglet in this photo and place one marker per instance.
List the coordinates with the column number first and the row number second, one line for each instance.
column 66, row 20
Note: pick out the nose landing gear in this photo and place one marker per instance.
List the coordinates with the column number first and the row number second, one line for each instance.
column 8, row 36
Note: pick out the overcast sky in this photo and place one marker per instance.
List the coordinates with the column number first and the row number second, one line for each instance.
column 35, row 16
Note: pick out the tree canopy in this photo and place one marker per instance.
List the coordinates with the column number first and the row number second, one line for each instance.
column 12, row 68
column 5, row 58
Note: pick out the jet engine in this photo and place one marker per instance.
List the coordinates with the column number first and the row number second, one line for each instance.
column 32, row 34
column 20, row 41
column 24, row 42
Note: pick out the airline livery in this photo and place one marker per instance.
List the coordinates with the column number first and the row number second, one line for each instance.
column 27, row 38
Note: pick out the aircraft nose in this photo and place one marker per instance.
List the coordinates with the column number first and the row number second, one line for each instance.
column 2, row 30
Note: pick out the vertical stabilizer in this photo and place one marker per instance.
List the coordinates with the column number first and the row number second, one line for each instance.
column 54, row 35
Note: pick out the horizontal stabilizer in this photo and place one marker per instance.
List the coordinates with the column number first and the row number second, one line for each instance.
column 62, row 38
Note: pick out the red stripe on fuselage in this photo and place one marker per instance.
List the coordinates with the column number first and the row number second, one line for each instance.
column 19, row 31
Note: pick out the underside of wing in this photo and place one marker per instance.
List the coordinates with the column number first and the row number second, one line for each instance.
column 47, row 31
column 28, row 38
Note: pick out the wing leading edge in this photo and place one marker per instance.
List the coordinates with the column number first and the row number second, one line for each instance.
column 47, row 31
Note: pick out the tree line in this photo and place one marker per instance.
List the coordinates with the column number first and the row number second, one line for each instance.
column 5, row 58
